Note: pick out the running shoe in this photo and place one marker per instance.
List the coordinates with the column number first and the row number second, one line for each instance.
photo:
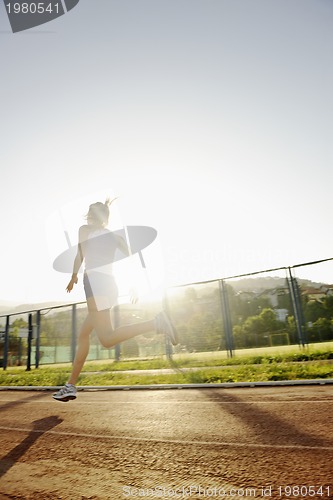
column 164, row 325
column 66, row 393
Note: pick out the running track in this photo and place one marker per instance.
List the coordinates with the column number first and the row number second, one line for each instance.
column 190, row 443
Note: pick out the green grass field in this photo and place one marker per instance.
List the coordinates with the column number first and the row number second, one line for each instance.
column 255, row 365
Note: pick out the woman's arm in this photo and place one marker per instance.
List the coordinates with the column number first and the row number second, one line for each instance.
column 77, row 261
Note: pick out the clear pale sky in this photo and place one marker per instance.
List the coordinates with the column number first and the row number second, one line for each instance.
column 211, row 119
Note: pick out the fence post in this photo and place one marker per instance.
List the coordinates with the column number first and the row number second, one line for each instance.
column 301, row 314
column 37, row 358
column 73, row 338
column 29, row 343
column 20, row 352
column 297, row 306
column 6, row 344
column 226, row 318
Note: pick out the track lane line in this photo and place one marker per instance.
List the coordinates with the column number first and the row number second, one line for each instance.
column 167, row 441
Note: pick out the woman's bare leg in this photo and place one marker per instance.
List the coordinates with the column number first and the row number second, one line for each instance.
column 108, row 336
column 100, row 321
column 83, row 344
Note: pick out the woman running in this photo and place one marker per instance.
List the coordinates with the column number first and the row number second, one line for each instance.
column 97, row 247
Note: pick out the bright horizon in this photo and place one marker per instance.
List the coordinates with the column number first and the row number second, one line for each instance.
column 210, row 120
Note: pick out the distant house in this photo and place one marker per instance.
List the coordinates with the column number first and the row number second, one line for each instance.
column 281, row 314
column 328, row 289
column 314, row 293
column 247, row 296
column 273, row 295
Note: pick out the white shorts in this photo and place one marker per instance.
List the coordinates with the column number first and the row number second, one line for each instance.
column 102, row 288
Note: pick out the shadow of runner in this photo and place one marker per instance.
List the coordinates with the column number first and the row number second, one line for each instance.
column 266, row 425
column 39, row 428
column 17, row 402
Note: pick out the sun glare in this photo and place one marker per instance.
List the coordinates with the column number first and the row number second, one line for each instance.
column 148, row 281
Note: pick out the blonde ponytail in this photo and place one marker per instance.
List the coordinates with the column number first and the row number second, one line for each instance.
column 108, row 202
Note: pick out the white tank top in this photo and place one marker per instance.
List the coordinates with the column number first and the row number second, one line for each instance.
column 99, row 249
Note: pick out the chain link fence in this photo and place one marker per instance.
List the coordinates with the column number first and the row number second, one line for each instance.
column 273, row 308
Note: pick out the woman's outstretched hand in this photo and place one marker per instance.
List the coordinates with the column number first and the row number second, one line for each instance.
column 134, row 296
column 71, row 284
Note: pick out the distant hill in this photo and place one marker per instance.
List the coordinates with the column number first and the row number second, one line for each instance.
column 12, row 308
column 266, row 283
column 255, row 284
column 7, row 306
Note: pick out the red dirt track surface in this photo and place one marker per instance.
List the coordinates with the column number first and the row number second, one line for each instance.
column 189, row 443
